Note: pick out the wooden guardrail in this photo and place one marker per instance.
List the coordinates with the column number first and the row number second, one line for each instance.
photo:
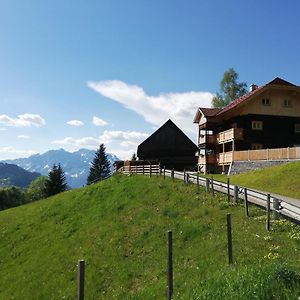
column 141, row 169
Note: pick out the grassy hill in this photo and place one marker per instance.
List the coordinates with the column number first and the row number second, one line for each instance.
column 282, row 179
column 119, row 227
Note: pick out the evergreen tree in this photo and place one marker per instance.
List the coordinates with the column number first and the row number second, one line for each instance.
column 230, row 89
column 100, row 168
column 56, row 181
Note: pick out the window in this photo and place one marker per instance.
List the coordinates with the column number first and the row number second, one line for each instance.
column 266, row 101
column 256, row 146
column 297, row 128
column 257, row 125
column 287, row 103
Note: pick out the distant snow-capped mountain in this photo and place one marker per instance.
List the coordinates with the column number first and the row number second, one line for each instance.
column 76, row 165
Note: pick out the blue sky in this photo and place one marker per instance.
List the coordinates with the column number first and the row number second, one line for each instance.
column 120, row 69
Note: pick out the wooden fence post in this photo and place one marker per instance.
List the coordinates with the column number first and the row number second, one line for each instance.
column 228, row 189
column 173, row 175
column 276, row 207
column 184, row 176
column 207, row 183
column 229, row 239
column 170, row 267
column 268, row 212
column 80, row 284
column 150, row 172
column 143, row 169
column 212, row 186
column 236, row 194
column 187, row 178
column 198, row 187
column 246, row 202
column 164, row 172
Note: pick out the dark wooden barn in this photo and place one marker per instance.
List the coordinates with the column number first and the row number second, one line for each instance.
column 171, row 147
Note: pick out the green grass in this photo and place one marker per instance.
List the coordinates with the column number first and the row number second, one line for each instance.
column 282, row 179
column 119, row 227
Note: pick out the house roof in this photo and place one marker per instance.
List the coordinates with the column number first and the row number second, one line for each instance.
column 211, row 112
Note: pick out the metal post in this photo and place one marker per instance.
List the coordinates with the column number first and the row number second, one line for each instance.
column 80, row 287
column 276, row 208
column 236, row 194
column 228, row 189
column 268, row 212
column 207, row 184
column 246, row 202
column 229, row 239
column 170, row 267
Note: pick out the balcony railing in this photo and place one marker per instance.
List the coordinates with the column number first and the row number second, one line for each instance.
column 225, row 158
column 230, row 135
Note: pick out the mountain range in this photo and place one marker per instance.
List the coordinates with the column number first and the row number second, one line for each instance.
column 76, row 165
column 11, row 174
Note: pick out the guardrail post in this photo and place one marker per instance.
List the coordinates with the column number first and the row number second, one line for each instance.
column 276, row 207
column 80, row 286
column 228, row 189
column 246, row 202
column 268, row 212
column 229, row 239
column 236, row 194
column 170, row 267
column 212, row 186
column 207, row 184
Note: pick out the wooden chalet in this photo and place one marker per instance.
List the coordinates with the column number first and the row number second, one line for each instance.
column 170, row 146
column 262, row 124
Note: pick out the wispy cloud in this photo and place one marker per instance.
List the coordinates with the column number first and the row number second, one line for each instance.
column 75, row 123
column 25, row 120
column 180, row 107
column 12, row 153
column 99, row 122
column 21, row 136
column 121, row 143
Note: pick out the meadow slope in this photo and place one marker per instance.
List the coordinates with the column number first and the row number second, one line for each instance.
column 119, row 227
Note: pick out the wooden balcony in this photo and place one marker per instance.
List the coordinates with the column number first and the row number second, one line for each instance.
column 230, row 135
column 208, row 159
column 225, row 158
column 207, row 139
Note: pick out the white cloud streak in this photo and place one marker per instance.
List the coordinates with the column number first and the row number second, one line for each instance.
column 25, row 137
column 180, row 107
column 99, row 122
column 25, row 120
column 12, row 153
column 76, row 123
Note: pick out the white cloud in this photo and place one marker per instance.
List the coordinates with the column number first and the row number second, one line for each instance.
column 75, row 123
column 12, row 153
column 21, row 136
column 121, row 143
column 99, row 122
column 25, row 120
column 180, row 107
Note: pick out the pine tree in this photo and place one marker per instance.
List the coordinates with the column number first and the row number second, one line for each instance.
column 56, row 181
column 100, row 168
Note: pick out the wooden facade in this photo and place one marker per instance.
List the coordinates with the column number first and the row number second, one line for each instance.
column 171, row 147
column 268, row 117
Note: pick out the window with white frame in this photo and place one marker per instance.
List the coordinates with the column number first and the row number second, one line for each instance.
column 257, row 125
column 287, row 103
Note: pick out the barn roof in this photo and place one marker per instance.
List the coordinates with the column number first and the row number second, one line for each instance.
column 174, row 126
